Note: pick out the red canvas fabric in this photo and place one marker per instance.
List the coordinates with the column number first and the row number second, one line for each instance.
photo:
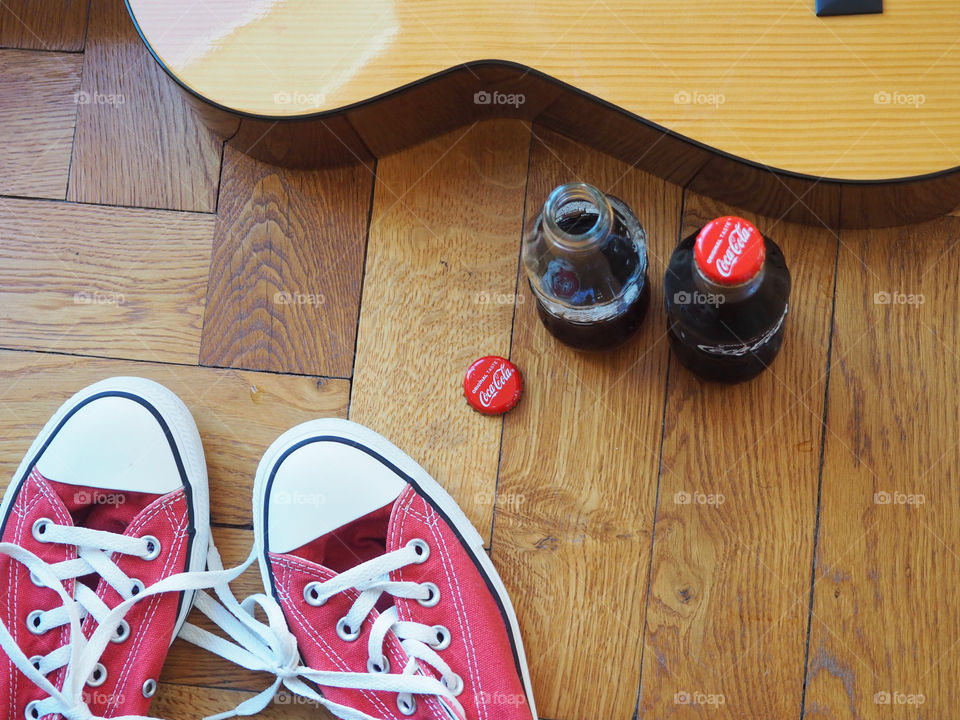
column 129, row 663
column 480, row 650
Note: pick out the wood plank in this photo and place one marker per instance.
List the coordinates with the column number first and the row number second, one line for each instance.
column 113, row 282
column 160, row 155
column 730, row 581
column 438, row 294
column 579, row 472
column 37, row 115
column 239, row 413
column 35, row 25
column 884, row 626
column 189, row 665
column 183, row 702
column 287, row 267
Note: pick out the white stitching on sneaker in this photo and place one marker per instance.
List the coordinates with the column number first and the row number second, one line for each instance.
column 431, row 520
column 154, row 603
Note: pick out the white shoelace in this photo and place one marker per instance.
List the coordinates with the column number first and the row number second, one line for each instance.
column 272, row 648
column 81, row 655
column 269, row 647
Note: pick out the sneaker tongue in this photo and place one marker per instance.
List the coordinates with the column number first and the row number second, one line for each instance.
column 98, row 509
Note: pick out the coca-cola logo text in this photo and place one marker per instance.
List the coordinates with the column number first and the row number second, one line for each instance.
column 736, row 242
column 497, row 381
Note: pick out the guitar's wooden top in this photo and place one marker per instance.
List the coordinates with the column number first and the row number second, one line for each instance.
column 863, row 98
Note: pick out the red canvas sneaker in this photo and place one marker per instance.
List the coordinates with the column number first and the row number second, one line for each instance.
column 110, row 499
column 396, row 609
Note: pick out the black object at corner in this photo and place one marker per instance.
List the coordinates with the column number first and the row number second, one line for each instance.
column 848, row 7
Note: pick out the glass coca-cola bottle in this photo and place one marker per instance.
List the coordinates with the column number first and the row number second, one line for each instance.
column 727, row 291
column 585, row 256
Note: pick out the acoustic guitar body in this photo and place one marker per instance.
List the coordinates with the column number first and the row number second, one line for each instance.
column 846, row 121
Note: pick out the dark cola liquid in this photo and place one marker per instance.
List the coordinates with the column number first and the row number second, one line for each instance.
column 726, row 341
column 617, row 261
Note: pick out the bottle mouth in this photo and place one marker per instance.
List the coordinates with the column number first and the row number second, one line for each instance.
column 573, row 200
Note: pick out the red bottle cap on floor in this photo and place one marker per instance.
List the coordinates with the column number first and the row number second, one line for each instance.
column 729, row 250
column 492, row 385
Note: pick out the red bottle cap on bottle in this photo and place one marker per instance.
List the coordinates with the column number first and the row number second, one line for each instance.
column 729, row 250
column 492, row 385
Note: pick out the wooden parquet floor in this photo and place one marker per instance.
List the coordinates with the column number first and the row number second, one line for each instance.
column 134, row 240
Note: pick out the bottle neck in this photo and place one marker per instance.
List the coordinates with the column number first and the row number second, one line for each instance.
column 577, row 218
column 729, row 293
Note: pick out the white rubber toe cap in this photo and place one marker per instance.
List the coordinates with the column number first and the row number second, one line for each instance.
column 319, row 486
column 114, row 443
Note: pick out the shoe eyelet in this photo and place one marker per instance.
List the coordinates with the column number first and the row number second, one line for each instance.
column 406, row 704
column 35, row 661
column 121, row 632
column 137, row 587
column 34, row 621
column 379, row 667
column 443, row 638
column 32, row 711
column 153, row 548
column 346, row 633
column 35, row 580
column 311, row 594
column 456, row 686
column 421, row 548
column 40, row 528
column 433, row 598
column 149, row 688
column 98, row 676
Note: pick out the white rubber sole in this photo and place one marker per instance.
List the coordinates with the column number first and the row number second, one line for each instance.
column 368, row 438
column 187, row 439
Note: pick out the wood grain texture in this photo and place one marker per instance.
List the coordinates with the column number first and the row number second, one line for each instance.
column 35, row 25
column 438, row 294
column 730, row 575
column 38, row 109
column 842, row 97
column 160, row 154
column 287, row 267
column 578, row 478
column 113, row 282
column 726, row 609
column 239, row 413
column 188, row 664
column 883, row 636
